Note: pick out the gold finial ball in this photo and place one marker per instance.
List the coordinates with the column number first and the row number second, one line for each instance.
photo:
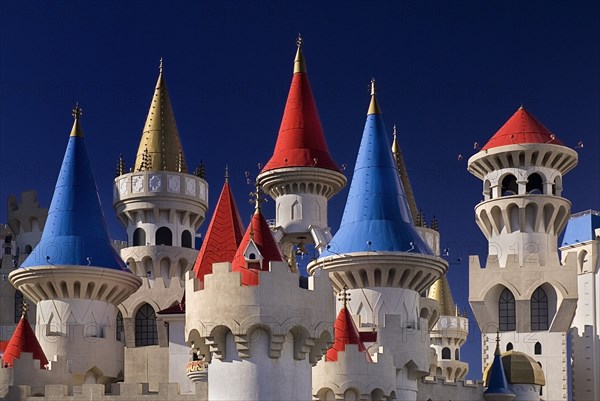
column 77, row 111
column 299, row 40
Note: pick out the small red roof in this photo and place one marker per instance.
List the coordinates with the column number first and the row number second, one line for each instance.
column 24, row 340
column 521, row 128
column 178, row 309
column 222, row 237
column 301, row 142
column 345, row 333
column 259, row 232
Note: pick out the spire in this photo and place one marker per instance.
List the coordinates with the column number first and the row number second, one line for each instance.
column 399, row 158
column 75, row 231
column 77, row 113
column 24, row 340
column 521, row 128
column 376, row 216
column 300, row 142
column 256, row 250
column 160, row 136
column 345, row 332
column 496, row 378
column 223, row 236
column 374, row 105
column 440, row 291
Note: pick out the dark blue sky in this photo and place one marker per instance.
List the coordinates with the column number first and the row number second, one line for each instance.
column 449, row 74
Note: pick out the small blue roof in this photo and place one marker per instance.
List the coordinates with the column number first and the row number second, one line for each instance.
column 75, row 231
column 376, row 217
column 581, row 226
column 497, row 383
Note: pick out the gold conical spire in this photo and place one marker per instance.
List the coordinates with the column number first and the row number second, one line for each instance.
column 440, row 291
column 77, row 113
column 374, row 105
column 299, row 63
column 412, row 203
column 160, row 136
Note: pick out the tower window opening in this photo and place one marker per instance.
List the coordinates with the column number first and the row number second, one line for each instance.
column 539, row 310
column 535, row 184
column 186, row 239
column 164, row 236
column 457, row 354
column 139, row 237
column 145, row 327
column 119, row 327
column 446, row 354
column 537, row 349
column 18, row 305
column 7, row 239
column 28, row 249
column 506, row 311
column 509, row 346
column 509, row 186
column 252, row 256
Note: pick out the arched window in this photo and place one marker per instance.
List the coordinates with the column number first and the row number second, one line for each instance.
column 535, row 184
column 164, row 236
column 139, row 237
column 145, row 327
column 487, row 191
column 446, row 354
column 186, row 239
column 457, row 354
column 18, row 305
column 506, row 311
column 557, row 188
column 27, row 249
column 537, row 348
column 509, row 347
column 539, row 310
column 509, row 186
column 120, row 328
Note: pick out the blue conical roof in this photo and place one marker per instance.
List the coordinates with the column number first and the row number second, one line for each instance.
column 376, row 217
column 496, row 379
column 75, row 232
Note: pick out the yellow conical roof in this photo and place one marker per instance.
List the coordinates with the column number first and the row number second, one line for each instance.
column 412, row 203
column 440, row 291
column 160, row 148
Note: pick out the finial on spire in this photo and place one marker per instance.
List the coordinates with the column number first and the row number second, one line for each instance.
column 226, row 173
column 344, row 296
column 299, row 63
column 373, row 87
column 373, row 106
column 160, row 65
column 497, row 352
column 299, row 40
column 255, row 198
column 77, row 112
column 24, row 308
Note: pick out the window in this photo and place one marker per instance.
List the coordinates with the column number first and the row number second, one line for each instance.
column 186, row 239
column 509, row 186
column 535, row 184
column 539, row 310
column 145, row 327
column 457, row 354
column 120, row 328
column 537, row 349
column 509, row 347
column 446, row 353
column 506, row 311
column 139, row 237
column 18, row 305
column 164, row 236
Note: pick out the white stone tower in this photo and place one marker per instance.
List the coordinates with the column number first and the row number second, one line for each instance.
column 161, row 206
column 383, row 261
column 524, row 291
column 581, row 243
column 258, row 328
column 301, row 175
column 76, row 277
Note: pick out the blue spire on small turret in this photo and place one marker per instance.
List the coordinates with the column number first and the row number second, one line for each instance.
column 496, row 379
column 376, row 217
column 75, row 231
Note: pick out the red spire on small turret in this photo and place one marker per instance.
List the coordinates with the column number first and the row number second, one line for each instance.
column 222, row 237
column 301, row 142
column 24, row 340
column 345, row 333
column 521, row 128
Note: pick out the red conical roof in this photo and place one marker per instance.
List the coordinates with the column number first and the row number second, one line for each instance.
column 259, row 232
column 24, row 340
column 301, row 142
column 222, row 237
column 521, row 128
column 345, row 333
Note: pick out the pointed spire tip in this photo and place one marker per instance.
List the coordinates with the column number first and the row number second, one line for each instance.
column 374, row 105
column 299, row 63
column 77, row 112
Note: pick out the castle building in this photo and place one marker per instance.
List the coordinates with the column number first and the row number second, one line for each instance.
column 153, row 319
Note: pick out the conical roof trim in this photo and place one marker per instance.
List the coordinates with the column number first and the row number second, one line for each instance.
column 75, row 232
column 259, row 232
column 376, row 216
column 521, row 128
column 301, row 141
column 24, row 340
column 223, row 236
column 345, row 332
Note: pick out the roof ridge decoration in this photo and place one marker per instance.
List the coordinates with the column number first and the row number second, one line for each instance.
column 376, row 216
column 24, row 340
column 522, row 128
column 160, row 141
column 301, row 141
column 75, row 232
column 223, row 235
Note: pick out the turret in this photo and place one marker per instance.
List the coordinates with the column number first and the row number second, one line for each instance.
column 524, row 291
column 380, row 257
column 495, row 380
column 75, row 276
column 301, row 175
